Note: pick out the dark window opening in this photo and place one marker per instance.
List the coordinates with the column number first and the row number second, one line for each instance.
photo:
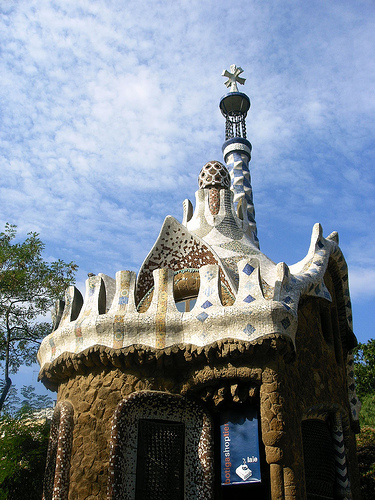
column 336, row 335
column 319, row 460
column 326, row 323
column 160, row 460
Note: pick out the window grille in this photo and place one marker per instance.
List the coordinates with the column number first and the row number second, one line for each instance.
column 319, row 460
column 160, row 460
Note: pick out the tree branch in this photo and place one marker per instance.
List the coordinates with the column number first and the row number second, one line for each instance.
column 5, row 391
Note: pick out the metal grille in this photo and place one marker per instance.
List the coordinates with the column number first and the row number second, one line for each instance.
column 319, row 460
column 233, row 125
column 160, row 460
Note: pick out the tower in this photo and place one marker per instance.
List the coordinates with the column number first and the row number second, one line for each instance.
column 214, row 373
column 237, row 149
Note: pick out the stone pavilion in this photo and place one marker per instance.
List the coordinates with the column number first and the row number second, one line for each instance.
column 214, row 373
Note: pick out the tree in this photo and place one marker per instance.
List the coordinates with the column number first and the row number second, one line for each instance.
column 12, row 402
column 29, row 286
column 30, row 403
column 24, row 431
column 366, row 461
column 23, row 450
column 364, row 372
column 364, row 368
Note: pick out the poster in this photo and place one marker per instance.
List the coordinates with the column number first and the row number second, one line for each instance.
column 240, row 462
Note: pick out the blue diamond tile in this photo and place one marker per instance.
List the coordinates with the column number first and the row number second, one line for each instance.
column 288, row 300
column 237, row 172
column 286, row 306
column 249, row 299
column 209, row 275
column 123, row 300
column 206, row 304
column 202, row 316
column 318, row 263
column 208, row 291
column 248, row 269
column 249, row 329
column 317, row 289
column 237, row 157
column 286, row 323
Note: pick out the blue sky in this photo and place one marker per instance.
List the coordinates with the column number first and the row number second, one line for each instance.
column 109, row 109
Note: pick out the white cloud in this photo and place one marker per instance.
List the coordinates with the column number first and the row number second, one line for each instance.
column 362, row 282
column 110, row 109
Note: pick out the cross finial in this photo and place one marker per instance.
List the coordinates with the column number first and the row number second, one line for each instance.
column 233, row 77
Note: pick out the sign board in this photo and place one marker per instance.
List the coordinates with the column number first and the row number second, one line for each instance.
column 240, row 462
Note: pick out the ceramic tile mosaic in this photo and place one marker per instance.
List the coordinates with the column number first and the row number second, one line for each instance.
column 73, row 303
column 342, row 477
column 214, row 174
column 175, row 248
column 95, row 288
column 273, row 308
column 186, row 283
column 355, row 404
column 198, row 459
column 216, row 245
column 161, row 312
column 56, row 476
column 238, row 165
column 214, row 201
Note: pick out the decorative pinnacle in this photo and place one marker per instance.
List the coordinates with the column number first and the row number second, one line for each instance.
column 233, row 77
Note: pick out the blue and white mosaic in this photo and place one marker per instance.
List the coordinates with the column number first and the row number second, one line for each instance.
column 272, row 311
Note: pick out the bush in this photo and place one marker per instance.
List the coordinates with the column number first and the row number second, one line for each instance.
column 367, row 413
column 366, row 461
column 23, row 450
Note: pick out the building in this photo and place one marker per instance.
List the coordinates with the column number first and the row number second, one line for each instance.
column 214, row 373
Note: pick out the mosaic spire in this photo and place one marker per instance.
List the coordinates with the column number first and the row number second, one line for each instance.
column 237, row 149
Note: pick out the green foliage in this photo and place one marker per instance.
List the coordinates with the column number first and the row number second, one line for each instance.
column 366, row 461
column 364, row 372
column 23, row 445
column 12, row 403
column 29, row 285
column 367, row 413
column 364, row 368
column 23, row 450
column 16, row 407
column 32, row 401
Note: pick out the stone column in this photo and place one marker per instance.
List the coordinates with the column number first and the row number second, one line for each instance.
column 281, row 455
